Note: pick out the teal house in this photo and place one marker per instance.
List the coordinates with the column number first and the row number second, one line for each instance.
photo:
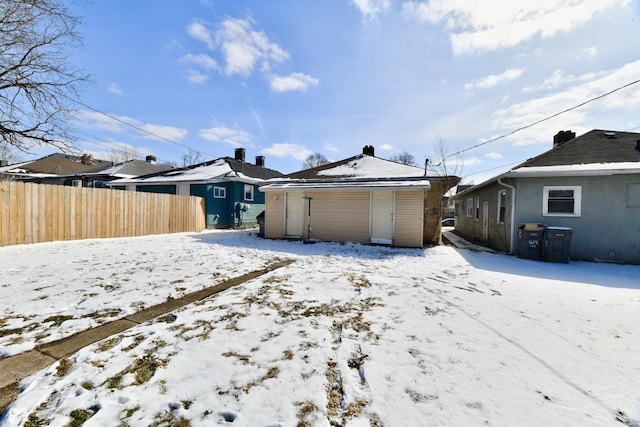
column 228, row 185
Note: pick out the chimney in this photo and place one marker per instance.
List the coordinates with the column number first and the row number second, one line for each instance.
column 151, row 159
column 260, row 161
column 4, row 162
column 368, row 150
column 240, row 154
column 562, row 137
column 86, row 159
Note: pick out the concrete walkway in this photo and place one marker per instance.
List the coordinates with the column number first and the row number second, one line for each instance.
column 461, row 243
column 15, row 368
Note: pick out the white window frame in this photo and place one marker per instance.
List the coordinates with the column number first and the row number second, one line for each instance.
column 501, row 194
column 577, row 200
column 219, row 192
column 248, row 192
column 469, row 207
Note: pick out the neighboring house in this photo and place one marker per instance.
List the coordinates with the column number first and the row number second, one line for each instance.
column 79, row 171
column 362, row 199
column 590, row 184
column 228, row 185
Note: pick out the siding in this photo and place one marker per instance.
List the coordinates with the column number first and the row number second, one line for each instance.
column 408, row 218
column 274, row 215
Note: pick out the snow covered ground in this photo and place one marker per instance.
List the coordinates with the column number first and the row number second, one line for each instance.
column 348, row 335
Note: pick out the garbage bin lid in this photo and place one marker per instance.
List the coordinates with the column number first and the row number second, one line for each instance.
column 558, row 228
column 534, row 227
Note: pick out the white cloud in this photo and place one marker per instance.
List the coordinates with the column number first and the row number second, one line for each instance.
column 480, row 26
column 115, row 88
column 226, row 135
column 331, row 147
column 162, row 131
column 294, row 81
column 196, row 77
column 296, row 151
column 387, row 147
column 590, row 51
column 493, row 155
column 559, row 78
column 95, row 120
column 198, row 31
column 202, row 60
column 370, row 9
column 243, row 47
column 495, row 79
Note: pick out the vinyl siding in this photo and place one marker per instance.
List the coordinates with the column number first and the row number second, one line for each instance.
column 274, row 215
column 408, row 218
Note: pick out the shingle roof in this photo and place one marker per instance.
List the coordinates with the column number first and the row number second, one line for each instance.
column 64, row 164
column 596, row 146
column 252, row 170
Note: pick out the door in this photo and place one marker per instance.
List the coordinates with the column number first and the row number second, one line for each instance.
column 382, row 203
column 485, row 221
column 295, row 214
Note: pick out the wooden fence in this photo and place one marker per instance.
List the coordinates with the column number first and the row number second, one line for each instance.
column 33, row 213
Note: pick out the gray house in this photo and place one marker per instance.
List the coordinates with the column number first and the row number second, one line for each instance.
column 589, row 184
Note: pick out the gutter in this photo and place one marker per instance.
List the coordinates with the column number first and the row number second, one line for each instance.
column 513, row 213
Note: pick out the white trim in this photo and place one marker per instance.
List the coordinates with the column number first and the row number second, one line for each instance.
column 343, row 186
column 252, row 196
column 577, row 200
column 222, row 192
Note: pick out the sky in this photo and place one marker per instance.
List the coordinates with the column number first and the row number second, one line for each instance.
column 287, row 79
column 345, row 335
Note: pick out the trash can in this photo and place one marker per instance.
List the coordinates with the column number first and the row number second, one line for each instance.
column 531, row 236
column 260, row 220
column 557, row 242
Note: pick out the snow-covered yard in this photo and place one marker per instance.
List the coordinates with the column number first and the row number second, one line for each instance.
column 348, row 335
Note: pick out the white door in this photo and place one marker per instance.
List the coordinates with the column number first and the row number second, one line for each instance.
column 382, row 217
column 485, row 220
column 295, row 214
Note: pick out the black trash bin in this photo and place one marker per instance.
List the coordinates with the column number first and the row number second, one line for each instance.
column 531, row 236
column 557, row 242
column 260, row 220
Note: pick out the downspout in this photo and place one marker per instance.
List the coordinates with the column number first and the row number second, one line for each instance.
column 513, row 213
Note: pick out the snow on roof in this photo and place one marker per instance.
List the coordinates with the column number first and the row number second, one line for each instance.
column 206, row 172
column 576, row 170
column 372, row 167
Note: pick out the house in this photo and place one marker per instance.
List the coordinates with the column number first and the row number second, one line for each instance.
column 228, row 185
column 79, row 171
column 589, row 184
column 362, row 199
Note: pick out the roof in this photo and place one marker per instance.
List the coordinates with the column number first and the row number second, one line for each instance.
column 359, row 172
column 222, row 169
column 361, row 166
column 133, row 168
column 597, row 152
column 58, row 164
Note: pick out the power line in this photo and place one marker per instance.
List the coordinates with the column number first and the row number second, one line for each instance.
column 124, row 122
column 541, row 120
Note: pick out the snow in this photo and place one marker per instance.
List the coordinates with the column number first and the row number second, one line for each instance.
column 348, row 335
column 373, row 167
column 218, row 168
column 578, row 169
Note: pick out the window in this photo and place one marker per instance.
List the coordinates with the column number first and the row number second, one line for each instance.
column 633, row 198
column 469, row 207
column 562, row 201
column 502, row 206
column 477, row 208
column 248, row 192
column 219, row 192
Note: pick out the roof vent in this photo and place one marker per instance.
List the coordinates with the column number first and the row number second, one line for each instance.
column 562, row 137
column 610, row 135
column 151, row 159
column 85, row 159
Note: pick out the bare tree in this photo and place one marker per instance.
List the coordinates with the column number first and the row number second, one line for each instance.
column 123, row 153
column 37, row 83
column 405, row 158
column 314, row 160
column 6, row 153
column 191, row 157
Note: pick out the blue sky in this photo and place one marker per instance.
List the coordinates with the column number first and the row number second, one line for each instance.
column 285, row 79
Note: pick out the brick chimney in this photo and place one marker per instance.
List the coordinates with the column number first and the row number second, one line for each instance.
column 240, row 154
column 85, row 159
column 151, row 159
column 368, row 150
column 562, row 137
column 4, row 162
column 260, row 161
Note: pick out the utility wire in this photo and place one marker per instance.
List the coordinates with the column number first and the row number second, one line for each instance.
column 540, row 121
column 124, row 122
